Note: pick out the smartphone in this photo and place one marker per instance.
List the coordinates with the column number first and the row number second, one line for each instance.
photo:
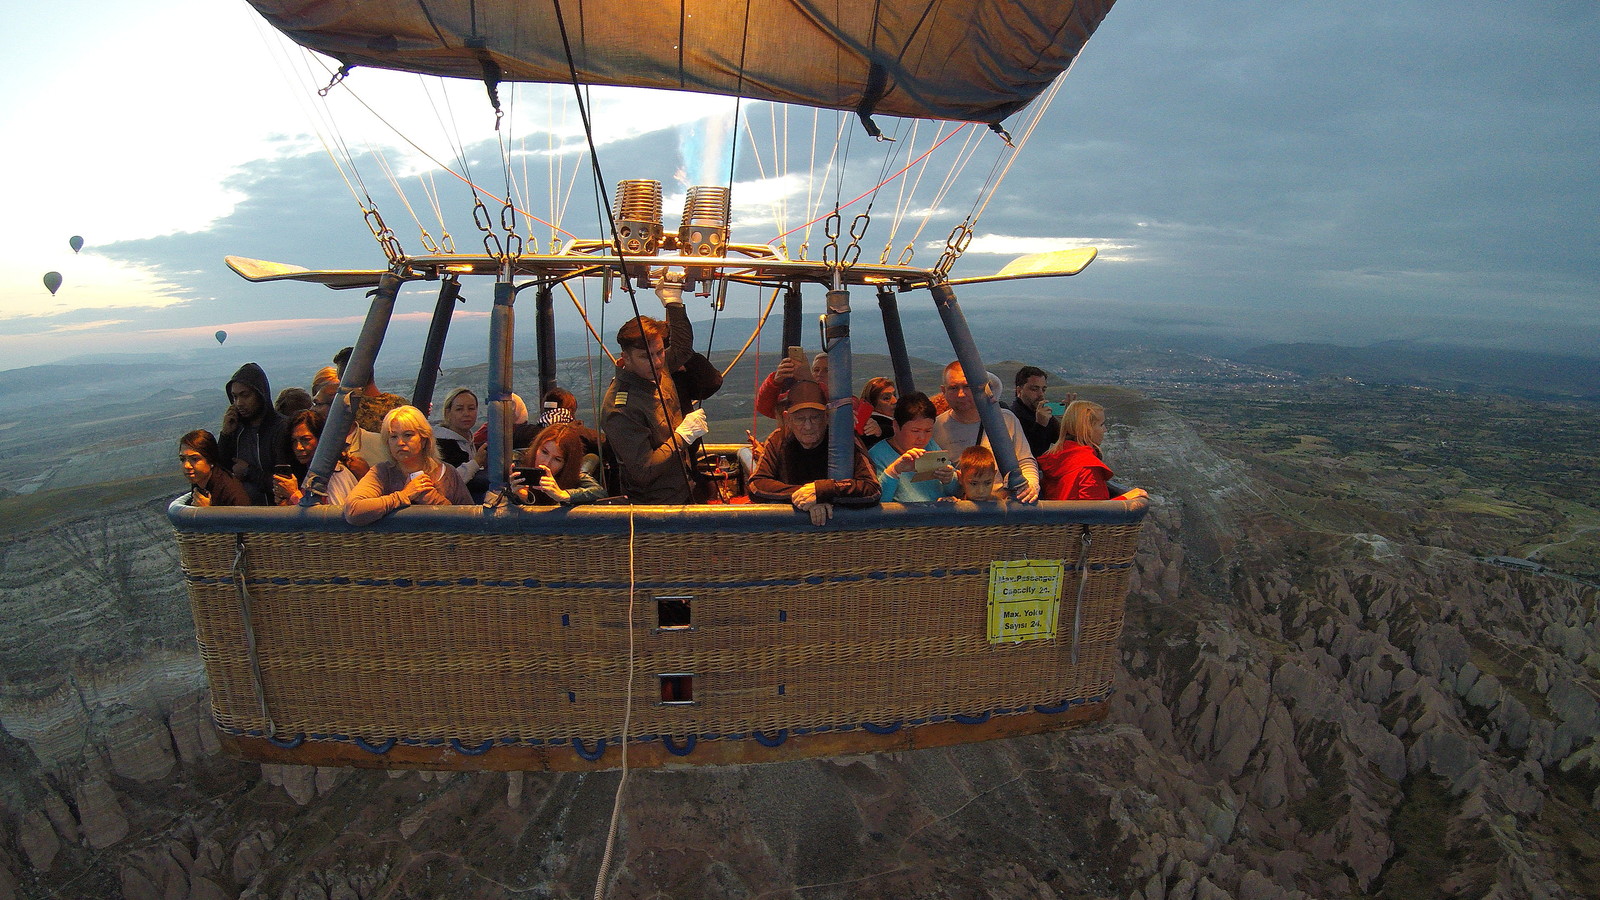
column 802, row 366
column 284, row 469
column 1056, row 409
column 531, row 475
column 933, row 459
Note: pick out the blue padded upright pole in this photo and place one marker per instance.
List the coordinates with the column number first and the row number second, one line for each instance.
column 791, row 318
column 889, row 306
column 433, row 350
column 545, row 335
column 502, row 327
column 357, row 375
column 955, row 324
column 841, row 409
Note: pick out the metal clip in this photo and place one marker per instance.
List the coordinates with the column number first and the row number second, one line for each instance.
column 344, row 72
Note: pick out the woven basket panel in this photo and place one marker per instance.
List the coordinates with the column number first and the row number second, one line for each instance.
column 474, row 637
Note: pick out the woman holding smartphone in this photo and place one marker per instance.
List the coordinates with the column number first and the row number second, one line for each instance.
column 305, row 432
column 896, row 457
column 552, row 470
column 413, row 474
column 211, row 482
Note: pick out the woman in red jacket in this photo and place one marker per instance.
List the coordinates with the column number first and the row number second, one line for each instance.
column 1072, row 469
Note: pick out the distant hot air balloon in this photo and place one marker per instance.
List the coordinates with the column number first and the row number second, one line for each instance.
column 222, row 336
column 52, row 280
column 77, row 242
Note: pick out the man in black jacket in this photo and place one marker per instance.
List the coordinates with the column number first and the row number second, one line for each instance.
column 1039, row 426
column 252, row 433
column 643, row 420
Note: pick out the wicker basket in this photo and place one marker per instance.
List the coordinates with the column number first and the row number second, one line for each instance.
column 461, row 638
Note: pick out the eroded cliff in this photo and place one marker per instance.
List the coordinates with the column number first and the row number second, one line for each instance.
column 1303, row 711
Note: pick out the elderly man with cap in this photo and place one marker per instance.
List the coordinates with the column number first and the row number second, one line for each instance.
column 793, row 466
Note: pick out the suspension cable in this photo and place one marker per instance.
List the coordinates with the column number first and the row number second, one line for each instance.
column 871, row 191
column 477, row 188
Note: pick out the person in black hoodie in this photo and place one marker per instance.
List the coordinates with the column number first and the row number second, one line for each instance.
column 252, row 433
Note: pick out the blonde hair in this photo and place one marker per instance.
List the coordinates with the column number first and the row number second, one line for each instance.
column 412, row 418
column 451, row 398
column 324, row 375
column 1075, row 422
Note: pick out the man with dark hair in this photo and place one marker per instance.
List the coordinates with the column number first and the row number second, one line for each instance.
column 1038, row 425
column 252, row 433
column 291, row 400
column 644, row 424
column 793, row 467
column 370, row 404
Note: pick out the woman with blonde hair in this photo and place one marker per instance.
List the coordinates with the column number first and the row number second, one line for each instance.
column 1073, row 470
column 412, row 475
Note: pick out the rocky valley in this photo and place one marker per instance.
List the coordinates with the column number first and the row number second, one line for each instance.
column 1321, row 696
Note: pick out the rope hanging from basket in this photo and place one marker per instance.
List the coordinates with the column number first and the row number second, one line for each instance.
column 1083, row 588
column 240, row 571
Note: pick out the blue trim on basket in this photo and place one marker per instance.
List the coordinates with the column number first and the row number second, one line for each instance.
column 536, row 583
column 673, row 746
column 765, row 741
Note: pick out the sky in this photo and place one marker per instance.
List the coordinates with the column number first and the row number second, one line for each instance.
column 1345, row 173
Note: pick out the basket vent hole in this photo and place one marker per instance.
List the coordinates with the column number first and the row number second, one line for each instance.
column 677, row 688
column 673, row 613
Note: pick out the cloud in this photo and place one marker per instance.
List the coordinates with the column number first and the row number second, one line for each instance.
column 1276, row 170
column 97, row 325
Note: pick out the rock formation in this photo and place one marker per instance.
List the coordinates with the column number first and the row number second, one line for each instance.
column 1301, row 713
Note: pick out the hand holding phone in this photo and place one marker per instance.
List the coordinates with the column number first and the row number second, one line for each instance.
column 802, row 368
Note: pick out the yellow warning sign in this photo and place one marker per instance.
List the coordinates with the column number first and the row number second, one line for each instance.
column 1024, row 599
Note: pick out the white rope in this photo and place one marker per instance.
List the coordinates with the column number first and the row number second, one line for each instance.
column 627, row 722
column 969, row 148
column 1039, row 111
column 761, row 168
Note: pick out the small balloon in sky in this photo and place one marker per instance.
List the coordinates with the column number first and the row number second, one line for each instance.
column 52, row 280
column 77, row 242
column 222, row 336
